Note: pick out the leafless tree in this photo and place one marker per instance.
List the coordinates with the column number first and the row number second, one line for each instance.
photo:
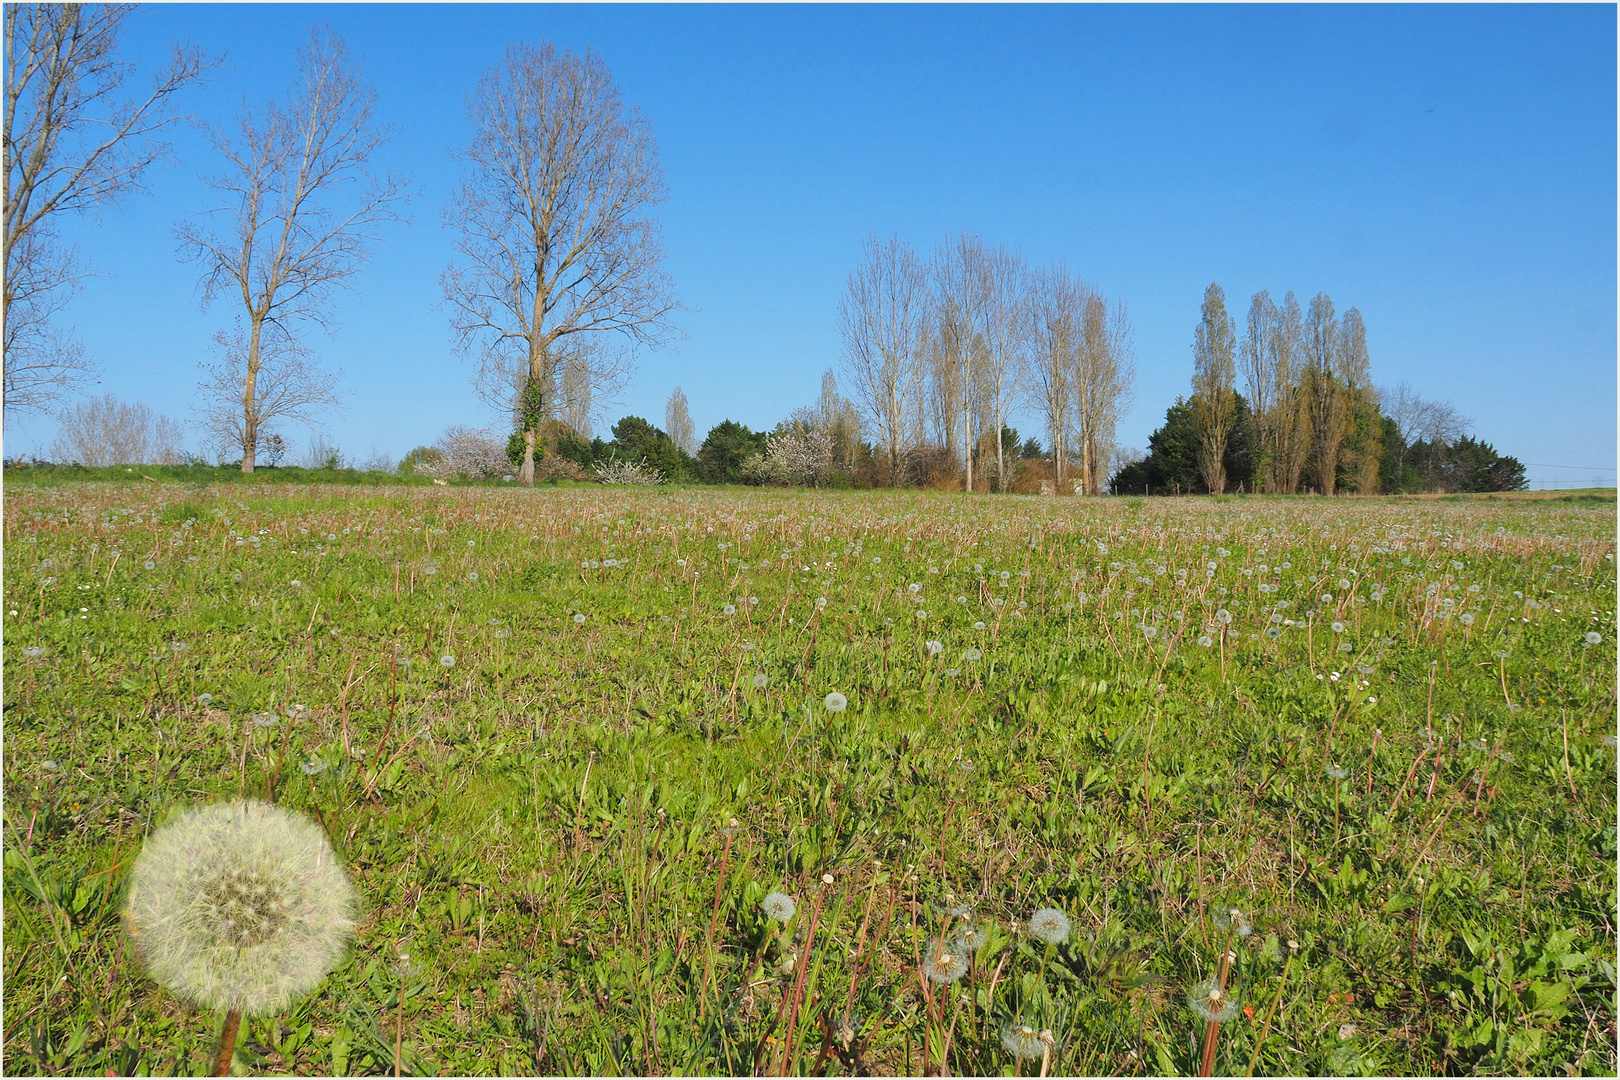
column 323, row 453
column 1006, row 330
column 1059, row 301
column 292, row 236
column 958, row 305
column 576, row 397
column 1103, row 387
column 943, row 382
column 106, row 431
column 882, row 318
column 1214, row 403
column 678, row 422
column 1293, row 428
column 283, row 384
column 837, row 416
column 72, row 142
column 557, row 241
column 1268, row 386
column 1418, row 418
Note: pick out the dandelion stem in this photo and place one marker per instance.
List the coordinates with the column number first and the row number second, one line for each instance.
column 1265, row 1027
column 226, row 1050
column 1212, row 1031
column 714, row 917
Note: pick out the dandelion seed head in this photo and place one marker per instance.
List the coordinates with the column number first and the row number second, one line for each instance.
column 944, row 962
column 579, row 618
column 761, row 681
column 240, row 906
column 778, row 906
column 1210, row 1002
column 447, row 661
column 1049, row 925
column 1337, row 772
column 1593, row 637
column 935, row 648
column 835, row 702
column 1022, row 1041
column 971, row 655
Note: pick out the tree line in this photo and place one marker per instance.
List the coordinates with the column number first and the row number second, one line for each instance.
column 942, row 351
column 1311, row 420
column 557, row 281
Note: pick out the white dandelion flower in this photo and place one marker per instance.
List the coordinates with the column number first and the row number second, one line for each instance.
column 240, row 906
column 447, row 661
column 971, row 655
column 778, row 906
column 761, row 681
column 835, row 702
column 935, row 648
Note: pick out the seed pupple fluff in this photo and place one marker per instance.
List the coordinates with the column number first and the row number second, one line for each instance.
column 240, row 906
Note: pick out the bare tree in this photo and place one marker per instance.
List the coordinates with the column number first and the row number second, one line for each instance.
column 292, row 237
column 578, row 399
column 1288, row 358
column 837, row 416
column 284, row 384
column 958, row 316
column 106, row 431
column 1214, row 401
column 1103, row 379
column 1005, row 327
column 943, row 381
column 72, row 143
column 556, row 239
column 1059, row 301
column 678, row 422
column 1260, row 378
column 1419, row 418
column 882, row 318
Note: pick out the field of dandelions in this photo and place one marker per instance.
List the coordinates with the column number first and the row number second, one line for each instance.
column 754, row 782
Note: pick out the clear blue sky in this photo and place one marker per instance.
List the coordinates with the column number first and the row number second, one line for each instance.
column 1448, row 170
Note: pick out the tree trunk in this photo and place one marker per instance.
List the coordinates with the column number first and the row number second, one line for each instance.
column 250, row 411
column 526, row 474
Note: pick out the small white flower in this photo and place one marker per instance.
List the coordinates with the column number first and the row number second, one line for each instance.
column 835, row 702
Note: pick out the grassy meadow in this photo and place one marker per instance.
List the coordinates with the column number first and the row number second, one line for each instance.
column 1320, row 786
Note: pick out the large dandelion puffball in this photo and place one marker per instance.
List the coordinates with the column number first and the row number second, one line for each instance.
column 1049, row 925
column 240, row 906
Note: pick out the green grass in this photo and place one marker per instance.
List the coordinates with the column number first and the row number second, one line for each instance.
column 544, row 827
